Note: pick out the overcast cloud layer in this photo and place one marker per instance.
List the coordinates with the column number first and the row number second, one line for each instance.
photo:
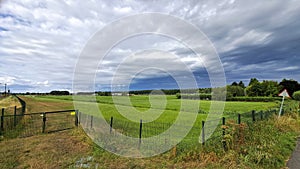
column 40, row 41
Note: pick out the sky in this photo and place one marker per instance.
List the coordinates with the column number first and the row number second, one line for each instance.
column 42, row 41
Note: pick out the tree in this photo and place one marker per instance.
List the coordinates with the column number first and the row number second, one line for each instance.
column 253, row 81
column 290, row 85
column 55, row 92
column 234, row 84
column 241, row 84
column 254, row 88
column 296, row 95
column 270, row 88
column 233, row 91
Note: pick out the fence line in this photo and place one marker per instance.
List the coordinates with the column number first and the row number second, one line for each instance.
column 143, row 130
column 23, row 125
column 19, row 124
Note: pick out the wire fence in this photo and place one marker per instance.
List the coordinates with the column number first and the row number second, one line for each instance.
column 19, row 124
column 209, row 133
column 16, row 123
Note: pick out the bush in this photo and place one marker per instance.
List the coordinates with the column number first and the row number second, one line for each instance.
column 296, row 95
column 253, row 99
column 201, row 96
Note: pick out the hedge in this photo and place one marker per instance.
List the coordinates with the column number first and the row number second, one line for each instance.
column 296, row 95
column 202, row 96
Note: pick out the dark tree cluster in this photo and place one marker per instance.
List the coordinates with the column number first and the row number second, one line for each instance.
column 56, row 92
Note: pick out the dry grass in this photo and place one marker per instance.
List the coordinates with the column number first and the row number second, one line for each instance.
column 57, row 150
column 39, row 105
column 10, row 101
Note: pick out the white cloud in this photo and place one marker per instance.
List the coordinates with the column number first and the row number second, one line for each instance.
column 289, row 68
column 44, row 38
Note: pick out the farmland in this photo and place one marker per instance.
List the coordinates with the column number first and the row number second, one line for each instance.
column 76, row 149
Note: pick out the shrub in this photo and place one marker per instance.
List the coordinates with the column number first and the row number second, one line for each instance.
column 296, row 95
column 253, row 99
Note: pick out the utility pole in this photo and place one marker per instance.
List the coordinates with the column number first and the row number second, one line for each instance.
column 5, row 89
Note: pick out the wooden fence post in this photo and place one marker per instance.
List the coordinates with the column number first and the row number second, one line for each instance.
column 92, row 118
column 44, row 123
column 79, row 117
column 253, row 115
column 15, row 115
column 76, row 118
column 140, row 135
column 239, row 118
column 111, row 124
column 223, row 133
column 203, row 133
column 261, row 115
column 2, row 120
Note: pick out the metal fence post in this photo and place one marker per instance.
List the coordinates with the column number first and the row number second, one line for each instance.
column 44, row 123
column 76, row 118
column 92, row 121
column 2, row 121
column 253, row 115
column 203, row 133
column 79, row 117
column 15, row 115
column 140, row 135
column 224, row 142
column 111, row 124
column 239, row 118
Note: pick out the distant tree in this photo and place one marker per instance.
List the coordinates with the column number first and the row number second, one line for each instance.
column 56, row 92
column 290, row 85
column 219, row 93
column 233, row 91
column 205, row 90
column 254, row 88
column 253, row 81
column 241, row 84
column 234, row 84
column 270, row 88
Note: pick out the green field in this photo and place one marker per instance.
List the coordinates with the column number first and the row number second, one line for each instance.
column 164, row 116
column 49, row 150
column 173, row 104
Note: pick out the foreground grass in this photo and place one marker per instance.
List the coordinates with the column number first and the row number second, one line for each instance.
column 265, row 144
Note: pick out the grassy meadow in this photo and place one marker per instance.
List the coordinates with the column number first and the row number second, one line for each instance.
column 73, row 149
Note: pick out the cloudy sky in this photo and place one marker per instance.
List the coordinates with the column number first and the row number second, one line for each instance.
column 41, row 41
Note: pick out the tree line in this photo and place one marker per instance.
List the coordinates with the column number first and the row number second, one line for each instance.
column 267, row 88
column 255, row 88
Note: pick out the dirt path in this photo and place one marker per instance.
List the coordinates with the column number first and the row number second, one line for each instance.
column 294, row 162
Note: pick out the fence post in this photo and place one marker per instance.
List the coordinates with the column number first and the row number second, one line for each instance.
column 140, row 135
column 92, row 117
column 44, row 123
column 239, row 118
column 111, row 124
column 76, row 118
column 79, row 117
column 203, row 134
column 2, row 121
column 253, row 115
column 261, row 115
column 224, row 142
column 15, row 115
